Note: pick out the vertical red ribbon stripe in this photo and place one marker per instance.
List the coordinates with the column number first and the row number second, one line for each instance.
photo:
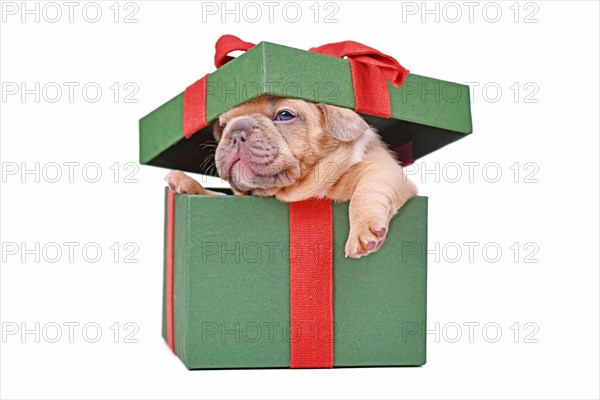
column 311, row 284
column 170, row 255
column 194, row 107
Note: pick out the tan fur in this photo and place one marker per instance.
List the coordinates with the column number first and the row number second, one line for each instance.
column 325, row 151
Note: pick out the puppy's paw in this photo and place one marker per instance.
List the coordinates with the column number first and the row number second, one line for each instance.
column 183, row 184
column 365, row 239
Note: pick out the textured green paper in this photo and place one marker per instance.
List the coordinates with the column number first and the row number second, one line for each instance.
column 231, row 286
column 429, row 112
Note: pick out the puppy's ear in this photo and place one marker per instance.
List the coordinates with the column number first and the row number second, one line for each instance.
column 344, row 124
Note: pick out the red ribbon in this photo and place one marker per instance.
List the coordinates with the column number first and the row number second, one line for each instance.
column 194, row 107
column 225, row 45
column 311, row 284
column 371, row 70
column 169, row 280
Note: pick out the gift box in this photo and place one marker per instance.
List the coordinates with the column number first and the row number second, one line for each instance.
column 230, row 300
column 252, row 282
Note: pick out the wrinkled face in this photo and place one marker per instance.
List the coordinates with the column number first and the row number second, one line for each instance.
column 271, row 142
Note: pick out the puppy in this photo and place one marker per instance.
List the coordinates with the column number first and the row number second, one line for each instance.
column 295, row 150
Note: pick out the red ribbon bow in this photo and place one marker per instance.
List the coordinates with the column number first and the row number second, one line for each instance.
column 225, row 45
column 371, row 70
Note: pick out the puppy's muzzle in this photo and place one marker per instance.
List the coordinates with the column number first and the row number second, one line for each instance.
column 250, row 154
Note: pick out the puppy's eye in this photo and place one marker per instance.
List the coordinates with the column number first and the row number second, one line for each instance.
column 284, row 115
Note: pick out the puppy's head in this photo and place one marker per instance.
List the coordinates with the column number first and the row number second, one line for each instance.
column 270, row 143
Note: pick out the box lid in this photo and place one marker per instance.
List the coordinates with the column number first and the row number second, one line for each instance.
column 426, row 113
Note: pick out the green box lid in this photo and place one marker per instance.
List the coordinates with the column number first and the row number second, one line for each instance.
column 426, row 112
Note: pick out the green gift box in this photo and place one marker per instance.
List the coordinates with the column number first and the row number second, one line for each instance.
column 231, row 287
column 229, row 294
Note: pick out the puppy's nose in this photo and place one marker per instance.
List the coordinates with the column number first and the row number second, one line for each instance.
column 241, row 129
column 238, row 138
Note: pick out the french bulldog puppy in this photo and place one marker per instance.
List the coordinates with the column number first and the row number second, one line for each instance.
column 295, row 150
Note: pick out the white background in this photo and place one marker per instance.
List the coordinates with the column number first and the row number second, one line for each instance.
column 550, row 208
